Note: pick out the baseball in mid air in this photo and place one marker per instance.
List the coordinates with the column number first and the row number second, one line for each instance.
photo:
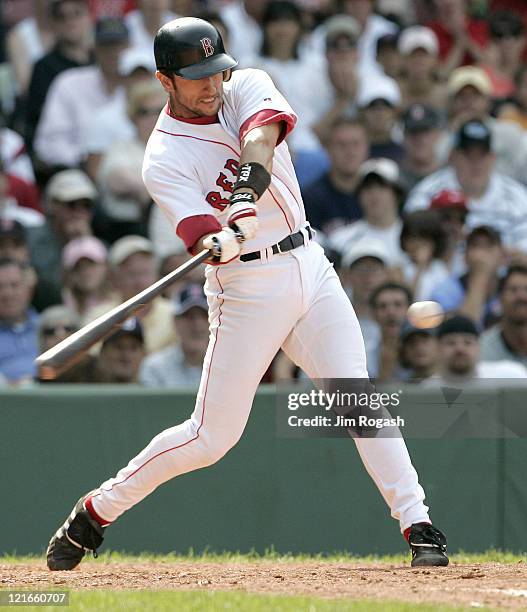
column 425, row 315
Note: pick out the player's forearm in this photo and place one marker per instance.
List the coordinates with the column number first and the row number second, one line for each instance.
column 258, row 145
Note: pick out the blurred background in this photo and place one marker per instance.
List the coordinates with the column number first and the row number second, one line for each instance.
column 410, row 149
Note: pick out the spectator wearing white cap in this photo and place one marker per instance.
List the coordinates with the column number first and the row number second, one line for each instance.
column 379, row 101
column 124, row 198
column 73, row 29
column 470, row 97
column 56, row 323
column 111, row 122
column 76, row 94
column 380, row 194
column 85, row 274
column 70, row 198
column 364, row 267
column 419, row 80
column 493, row 198
column 133, row 268
column 144, row 22
column 180, row 365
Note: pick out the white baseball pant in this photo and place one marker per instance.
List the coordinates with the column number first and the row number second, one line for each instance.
column 294, row 301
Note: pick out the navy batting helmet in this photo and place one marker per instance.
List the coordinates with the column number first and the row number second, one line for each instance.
column 191, row 48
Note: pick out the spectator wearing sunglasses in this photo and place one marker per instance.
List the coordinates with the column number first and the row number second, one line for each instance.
column 56, row 324
column 124, row 198
column 69, row 202
column 504, row 56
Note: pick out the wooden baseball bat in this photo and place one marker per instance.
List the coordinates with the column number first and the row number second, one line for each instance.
column 68, row 352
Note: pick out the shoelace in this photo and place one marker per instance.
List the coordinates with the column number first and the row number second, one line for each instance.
column 434, row 536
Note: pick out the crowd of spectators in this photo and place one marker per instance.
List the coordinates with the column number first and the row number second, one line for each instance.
column 410, row 150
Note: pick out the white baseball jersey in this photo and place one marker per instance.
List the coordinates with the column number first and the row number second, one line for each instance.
column 191, row 165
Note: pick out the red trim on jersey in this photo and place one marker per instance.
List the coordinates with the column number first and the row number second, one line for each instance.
column 266, row 117
column 168, row 450
column 195, row 120
column 191, row 229
column 91, row 511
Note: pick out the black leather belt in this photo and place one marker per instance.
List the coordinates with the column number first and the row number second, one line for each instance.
column 292, row 241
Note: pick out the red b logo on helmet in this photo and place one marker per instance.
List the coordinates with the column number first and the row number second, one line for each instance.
column 206, row 43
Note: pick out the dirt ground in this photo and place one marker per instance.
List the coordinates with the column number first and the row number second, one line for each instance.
column 489, row 584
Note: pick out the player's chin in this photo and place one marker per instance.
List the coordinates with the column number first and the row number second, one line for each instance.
column 209, row 108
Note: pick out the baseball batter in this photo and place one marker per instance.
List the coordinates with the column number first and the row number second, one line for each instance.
column 218, row 165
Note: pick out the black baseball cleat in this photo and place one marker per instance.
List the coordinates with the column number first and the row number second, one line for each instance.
column 428, row 545
column 79, row 533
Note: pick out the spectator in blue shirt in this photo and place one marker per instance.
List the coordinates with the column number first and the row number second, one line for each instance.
column 331, row 200
column 474, row 293
column 18, row 323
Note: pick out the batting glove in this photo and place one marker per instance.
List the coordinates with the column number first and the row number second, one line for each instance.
column 242, row 216
column 224, row 246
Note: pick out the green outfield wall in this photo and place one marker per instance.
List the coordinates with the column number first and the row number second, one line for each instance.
column 295, row 495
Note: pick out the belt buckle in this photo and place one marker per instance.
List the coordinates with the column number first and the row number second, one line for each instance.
column 279, row 248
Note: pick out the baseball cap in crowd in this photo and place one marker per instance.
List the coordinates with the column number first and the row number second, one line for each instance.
column 385, row 169
column 458, row 324
column 341, row 26
column 469, row 75
column 133, row 58
column 126, row 246
column 419, row 117
column 418, row 37
column 278, row 10
column 473, row 133
column 365, row 248
column 388, row 41
column 54, row 6
column 408, row 330
column 131, row 327
column 110, row 30
column 13, row 231
column 189, row 296
column 379, row 88
column 55, row 316
column 87, row 247
column 449, row 198
column 69, row 185
column 484, row 230
column 505, row 24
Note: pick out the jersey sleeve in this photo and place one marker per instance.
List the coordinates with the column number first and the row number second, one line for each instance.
column 182, row 202
column 257, row 102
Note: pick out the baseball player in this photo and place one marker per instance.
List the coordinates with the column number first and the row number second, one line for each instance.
column 218, row 166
